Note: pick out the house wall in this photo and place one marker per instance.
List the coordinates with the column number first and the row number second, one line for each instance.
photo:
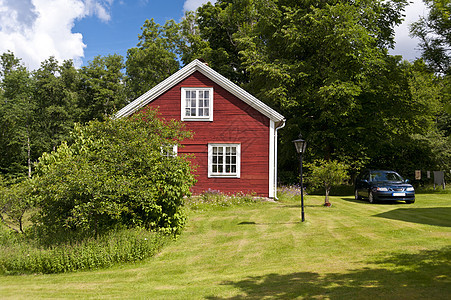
column 233, row 122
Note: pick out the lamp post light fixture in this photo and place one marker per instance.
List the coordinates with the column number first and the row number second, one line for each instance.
column 300, row 148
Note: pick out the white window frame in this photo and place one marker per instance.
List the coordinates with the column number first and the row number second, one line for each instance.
column 183, row 105
column 236, row 174
column 172, row 153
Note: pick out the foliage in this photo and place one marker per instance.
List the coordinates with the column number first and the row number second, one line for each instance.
column 55, row 93
column 24, row 256
column 17, row 126
column 114, row 173
column 102, row 91
column 153, row 59
column 325, row 174
column 434, row 32
column 15, row 200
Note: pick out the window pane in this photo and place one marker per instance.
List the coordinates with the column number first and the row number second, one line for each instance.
column 224, row 160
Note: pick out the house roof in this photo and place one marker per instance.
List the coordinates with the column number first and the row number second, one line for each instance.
column 186, row 71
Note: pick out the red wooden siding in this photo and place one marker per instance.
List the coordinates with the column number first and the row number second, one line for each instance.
column 233, row 122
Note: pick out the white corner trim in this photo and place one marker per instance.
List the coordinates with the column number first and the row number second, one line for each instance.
column 272, row 159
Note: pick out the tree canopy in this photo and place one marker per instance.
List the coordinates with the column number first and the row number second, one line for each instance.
column 323, row 64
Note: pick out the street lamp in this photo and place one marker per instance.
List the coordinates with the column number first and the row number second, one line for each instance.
column 300, row 148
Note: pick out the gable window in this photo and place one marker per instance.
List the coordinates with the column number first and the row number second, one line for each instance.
column 197, row 104
column 224, row 160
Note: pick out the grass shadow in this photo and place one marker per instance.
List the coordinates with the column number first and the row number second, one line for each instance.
column 422, row 275
column 438, row 216
column 365, row 201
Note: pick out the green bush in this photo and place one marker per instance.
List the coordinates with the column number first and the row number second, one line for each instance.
column 114, row 173
column 24, row 256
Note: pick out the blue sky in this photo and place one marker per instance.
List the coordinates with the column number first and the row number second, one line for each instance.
column 82, row 29
column 121, row 31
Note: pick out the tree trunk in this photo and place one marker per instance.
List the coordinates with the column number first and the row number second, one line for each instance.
column 28, row 151
column 326, row 200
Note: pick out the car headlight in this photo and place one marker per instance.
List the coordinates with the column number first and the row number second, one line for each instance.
column 382, row 189
column 410, row 189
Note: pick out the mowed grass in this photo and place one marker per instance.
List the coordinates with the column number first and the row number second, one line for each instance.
column 352, row 250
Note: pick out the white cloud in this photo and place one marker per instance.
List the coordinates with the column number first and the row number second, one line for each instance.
column 405, row 45
column 37, row 29
column 194, row 4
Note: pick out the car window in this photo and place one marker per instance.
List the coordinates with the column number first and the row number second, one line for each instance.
column 392, row 176
column 385, row 176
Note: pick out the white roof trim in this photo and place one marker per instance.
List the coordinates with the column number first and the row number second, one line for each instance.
column 186, row 71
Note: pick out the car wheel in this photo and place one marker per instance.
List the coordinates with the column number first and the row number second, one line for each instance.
column 371, row 198
column 410, row 201
column 357, row 197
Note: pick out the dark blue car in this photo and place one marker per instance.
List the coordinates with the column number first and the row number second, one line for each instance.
column 379, row 185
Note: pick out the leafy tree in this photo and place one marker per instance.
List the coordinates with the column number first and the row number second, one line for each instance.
column 114, row 174
column 102, row 88
column 326, row 174
column 434, row 32
column 317, row 63
column 55, row 93
column 17, row 107
column 15, row 200
column 211, row 35
column 153, row 59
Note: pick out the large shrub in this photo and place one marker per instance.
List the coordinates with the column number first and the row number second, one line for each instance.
column 115, row 172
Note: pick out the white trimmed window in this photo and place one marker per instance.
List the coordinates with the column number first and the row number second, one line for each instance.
column 224, row 160
column 169, row 150
column 197, row 104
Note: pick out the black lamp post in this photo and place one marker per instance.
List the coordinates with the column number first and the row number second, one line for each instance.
column 300, row 148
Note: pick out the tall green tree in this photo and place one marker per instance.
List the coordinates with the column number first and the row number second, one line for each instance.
column 55, row 93
column 153, row 59
column 316, row 62
column 325, row 66
column 17, row 130
column 102, row 88
column 211, row 33
column 434, row 32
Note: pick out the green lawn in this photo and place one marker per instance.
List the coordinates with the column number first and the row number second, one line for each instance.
column 352, row 250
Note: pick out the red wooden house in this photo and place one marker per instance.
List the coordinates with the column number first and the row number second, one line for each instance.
column 235, row 134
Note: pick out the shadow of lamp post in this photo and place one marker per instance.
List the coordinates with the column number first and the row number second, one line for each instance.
column 300, row 148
